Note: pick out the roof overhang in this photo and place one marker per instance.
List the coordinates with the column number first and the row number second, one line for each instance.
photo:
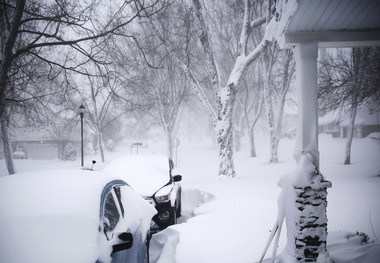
column 331, row 23
column 335, row 39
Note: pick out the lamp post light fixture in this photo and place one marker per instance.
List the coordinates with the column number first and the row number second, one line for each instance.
column 81, row 113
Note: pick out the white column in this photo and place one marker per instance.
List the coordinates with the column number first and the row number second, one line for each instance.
column 306, row 55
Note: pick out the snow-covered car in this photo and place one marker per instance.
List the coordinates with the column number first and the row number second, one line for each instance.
column 72, row 216
column 152, row 177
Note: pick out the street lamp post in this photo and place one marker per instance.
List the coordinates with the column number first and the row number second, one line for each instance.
column 81, row 113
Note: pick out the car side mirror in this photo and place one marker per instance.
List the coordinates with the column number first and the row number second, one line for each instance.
column 127, row 243
column 177, row 178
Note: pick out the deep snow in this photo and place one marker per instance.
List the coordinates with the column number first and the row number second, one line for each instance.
column 229, row 220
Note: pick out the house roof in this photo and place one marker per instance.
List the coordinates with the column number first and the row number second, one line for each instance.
column 330, row 117
column 363, row 117
column 333, row 23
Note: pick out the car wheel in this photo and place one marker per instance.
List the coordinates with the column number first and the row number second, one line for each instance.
column 173, row 216
column 179, row 208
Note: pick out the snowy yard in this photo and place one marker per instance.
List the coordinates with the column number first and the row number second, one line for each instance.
column 229, row 220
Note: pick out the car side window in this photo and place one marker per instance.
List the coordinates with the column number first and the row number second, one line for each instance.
column 118, row 195
column 111, row 213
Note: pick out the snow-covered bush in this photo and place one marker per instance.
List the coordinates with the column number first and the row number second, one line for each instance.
column 18, row 155
column 110, row 145
column 71, row 153
column 364, row 238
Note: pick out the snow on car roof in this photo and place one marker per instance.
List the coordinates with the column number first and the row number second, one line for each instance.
column 75, row 192
column 51, row 216
column 144, row 173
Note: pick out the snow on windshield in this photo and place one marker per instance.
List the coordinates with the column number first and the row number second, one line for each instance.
column 144, row 173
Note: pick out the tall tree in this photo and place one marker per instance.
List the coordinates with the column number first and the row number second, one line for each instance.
column 251, row 100
column 33, row 30
column 170, row 90
column 224, row 88
column 100, row 96
column 168, row 86
column 350, row 78
column 276, row 87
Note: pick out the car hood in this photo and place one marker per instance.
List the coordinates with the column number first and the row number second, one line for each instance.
column 147, row 189
column 144, row 173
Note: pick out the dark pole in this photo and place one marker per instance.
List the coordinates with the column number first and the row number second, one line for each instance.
column 81, row 109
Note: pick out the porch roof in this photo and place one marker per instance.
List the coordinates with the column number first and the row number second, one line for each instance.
column 334, row 23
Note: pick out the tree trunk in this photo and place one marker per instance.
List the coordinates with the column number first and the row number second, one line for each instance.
column 170, row 144
column 61, row 150
column 252, row 143
column 224, row 132
column 100, row 142
column 237, row 139
column 271, row 123
column 351, row 126
column 224, row 139
column 267, row 62
column 7, row 147
column 238, row 132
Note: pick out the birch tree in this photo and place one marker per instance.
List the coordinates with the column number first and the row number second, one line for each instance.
column 168, row 84
column 169, row 91
column 221, row 106
column 278, row 67
column 225, row 94
column 251, row 100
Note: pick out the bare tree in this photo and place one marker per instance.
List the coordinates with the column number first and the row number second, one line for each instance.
column 170, row 89
column 348, row 79
column 223, row 92
column 33, row 30
column 276, row 86
column 251, row 100
column 100, row 96
column 167, row 84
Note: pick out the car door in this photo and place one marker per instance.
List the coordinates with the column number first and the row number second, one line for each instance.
column 118, row 227
column 134, row 219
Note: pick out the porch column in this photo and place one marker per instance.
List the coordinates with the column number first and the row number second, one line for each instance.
column 310, row 226
column 306, row 55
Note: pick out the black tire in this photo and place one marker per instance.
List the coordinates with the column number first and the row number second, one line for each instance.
column 179, row 208
column 173, row 216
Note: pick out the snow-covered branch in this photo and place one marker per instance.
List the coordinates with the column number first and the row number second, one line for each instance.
column 207, row 47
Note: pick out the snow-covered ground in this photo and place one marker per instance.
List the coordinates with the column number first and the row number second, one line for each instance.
column 229, row 220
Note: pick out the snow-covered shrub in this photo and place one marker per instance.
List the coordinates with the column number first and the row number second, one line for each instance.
column 110, row 145
column 364, row 238
column 71, row 153
column 18, row 155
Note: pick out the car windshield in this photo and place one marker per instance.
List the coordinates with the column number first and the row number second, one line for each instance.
column 144, row 173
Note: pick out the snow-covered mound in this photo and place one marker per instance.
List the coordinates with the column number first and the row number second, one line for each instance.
column 347, row 247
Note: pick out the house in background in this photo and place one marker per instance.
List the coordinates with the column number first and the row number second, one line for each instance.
column 336, row 124
column 289, row 124
column 366, row 122
column 38, row 145
column 329, row 124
